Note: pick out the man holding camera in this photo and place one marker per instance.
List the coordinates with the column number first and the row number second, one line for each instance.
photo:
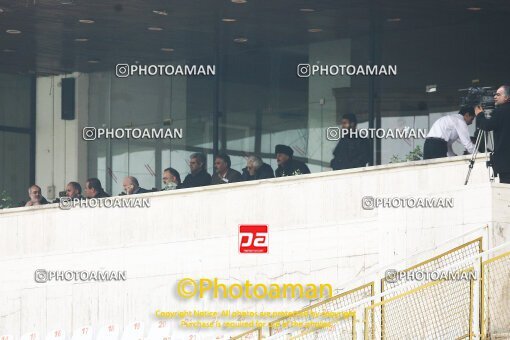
column 500, row 124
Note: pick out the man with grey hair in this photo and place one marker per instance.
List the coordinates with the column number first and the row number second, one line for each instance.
column 198, row 176
column 256, row 169
column 36, row 198
column 132, row 187
column 500, row 124
column 73, row 191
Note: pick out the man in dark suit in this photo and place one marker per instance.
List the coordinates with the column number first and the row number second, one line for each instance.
column 287, row 166
column 351, row 152
column 171, row 179
column 94, row 189
column 132, row 187
column 198, row 177
column 256, row 169
column 73, row 191
column 224, row 173
column 500, row 124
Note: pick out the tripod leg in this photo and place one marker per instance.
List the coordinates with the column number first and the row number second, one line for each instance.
column 487, row 156
column 492, row 174
column 473, row 156
column 467, row 176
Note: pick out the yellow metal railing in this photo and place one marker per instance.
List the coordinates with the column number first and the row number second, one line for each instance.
column 333, row 304
column 441, row 309
column 342, row 329
column 438, row 262
column 495, row 297
column 253, row 334
column 445, row 259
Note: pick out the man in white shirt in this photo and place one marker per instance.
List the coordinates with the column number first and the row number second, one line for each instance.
column 446, row 130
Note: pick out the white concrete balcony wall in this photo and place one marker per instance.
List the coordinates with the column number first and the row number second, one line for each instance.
column 318, row 233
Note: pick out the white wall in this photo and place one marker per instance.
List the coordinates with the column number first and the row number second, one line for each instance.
column 500, row 233
column 61, row 152
column 318, row 232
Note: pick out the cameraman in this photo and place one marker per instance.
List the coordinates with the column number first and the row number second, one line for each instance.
column 447, row 130
column 500, row 124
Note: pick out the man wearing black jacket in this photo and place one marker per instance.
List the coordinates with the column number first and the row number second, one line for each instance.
column 256, row 169
column 350, row 152
column 94, row 189
column 287, row 166
column 500, row 124
column 132, row 187
column 73, row 191
column 198, row 176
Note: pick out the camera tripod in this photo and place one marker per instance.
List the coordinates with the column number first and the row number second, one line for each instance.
column 475, row 153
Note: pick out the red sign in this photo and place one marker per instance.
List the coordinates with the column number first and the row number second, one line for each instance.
column 253, row 239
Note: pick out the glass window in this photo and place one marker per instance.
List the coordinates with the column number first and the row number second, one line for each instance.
column 148, row 102
column 260, row 96
column 15, row 179
column 15, row 100
column 437, row 56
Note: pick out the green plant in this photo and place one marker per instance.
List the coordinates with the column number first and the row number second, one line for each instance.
column 414, row 155
column 5, row 200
